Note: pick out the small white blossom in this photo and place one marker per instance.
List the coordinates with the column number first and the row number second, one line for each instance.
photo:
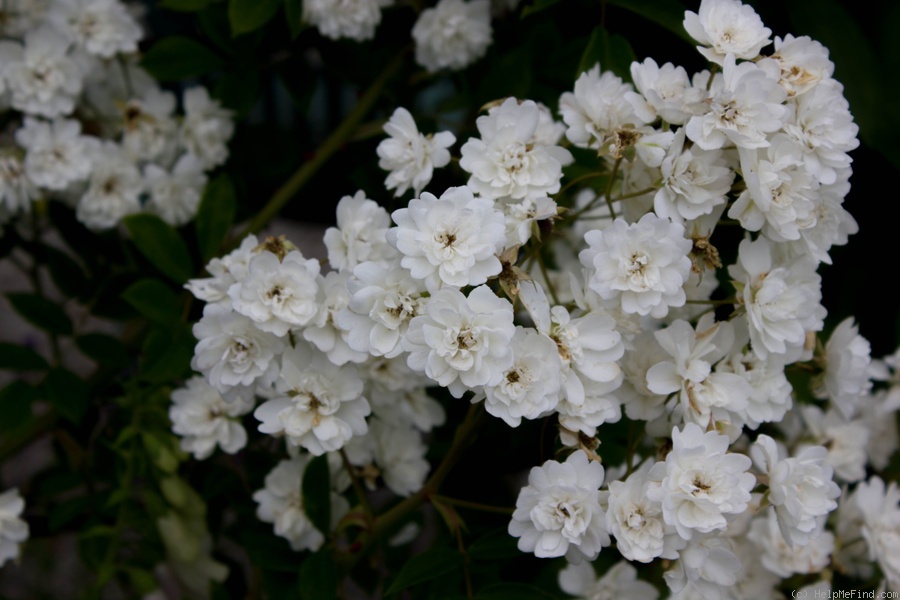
column 846, row 378
column 596, row 107
column 353, row 19
column 707, row 569
column 879, row 506
column 206, row 127
column 804, row 63
column 175, row 196
column 205, row 420
column 13, row 530
column 453, row 34
column 149, row 129
column 102, row 27
column 694, row 181
column 846, row 441
column 727, row 27
column 410, row 156
column 114, row 189
column 360, row 233
column 620, row 581
column 666, row 90
column 225, row 271
column 779, row 556
column 58, row 155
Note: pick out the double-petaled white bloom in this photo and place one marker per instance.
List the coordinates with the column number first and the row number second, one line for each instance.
column 462, row 343
column 804, row 63
column 879, row 506
column 316, row 404
column 453, row 240
column 102, row 27
column 398, row 394
column 506, row 161
column 800, row 488
column 400, row 454
column 770, row 391
column 114, row 188
column 13, row 530
column 324, row 332
column 700, row 482
column 846, row 441
column 410, row 156
column 206, row 127
column 782, row 558
column 336, row 19
column 559, row 513
column 281, row 503
column 42, row 78
column 707, row 569
column 359, row 235
column 225, row 271
column 620, row 581
column 596, row 108
column 453, row 34
column 727, row 27
column 58, row 155
column 745, row 105
column 149, row 129
column 232, row 352
column 205, row 420
column 666, row 91
column 846, row 378
column 278, row 294
column 175, row 195
column 642, row 267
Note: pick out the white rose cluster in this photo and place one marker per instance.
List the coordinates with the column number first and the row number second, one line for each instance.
column 91, row 127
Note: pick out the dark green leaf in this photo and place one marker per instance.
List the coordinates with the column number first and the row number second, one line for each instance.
column 176, row 57
column 250, row 15
column 67, row 393
column 15, row 404
column 316, row 490
column 185, row 5
column 494, row 545
column 41, row 313
column 215, row 215
column 293, row 11
column 20, row 358
column 538, row 6
column 67, row 274
column 161, row 245
column 513, row 591
column 612, row 51
column 167, row 353
column 239, row 89
column 269, row 553
column 319, row 577
column 428, row 565
column 668, row 14
column 154, row 300
column 104, row 349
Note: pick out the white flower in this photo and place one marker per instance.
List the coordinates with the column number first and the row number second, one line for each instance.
column 453, row 240
column 782, row 558
column 620, row 581
column 453, row 34
column 505, row 161
column 642, row 266
column 225, row 271
column 324, row 332
column 278, row 295
column 149, row 129
column 596, row 108
column 558, row 513
column 204, row 419
column 398, row 394
column 878, row 505
column 522, row 215
column 745, row 104
column 804, row 63
column 800, row 488
column 727, row 27
column 845, row 440
column 175, row 196
column 360, row 233
column 700, row 482
column 400, row 453
column 316, row 405
column 461, row 342
column 41, row 78
column 770, row 391
column 695, row 181
column 707, row 569
column 410, row 156
column 846, row 378
column 13, row 530
column 666, row 90
column 281, row 503
column 16, row 190
column 232, row 351
column 102, row 27
column 531, row 386
column 58, row 154
column 114, row 189
column 353, row 19
column 206, row 128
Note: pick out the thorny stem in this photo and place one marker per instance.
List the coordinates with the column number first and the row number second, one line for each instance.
column 386, row 521
column 338, row 138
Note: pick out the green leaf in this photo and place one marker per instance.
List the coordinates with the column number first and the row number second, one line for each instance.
column 15, row 404
column 41, row 313
column 613, row 52
column 668, row 14
column 268, row 553
column 185, row 5
column 496, row 544
column 67, row 393
column 20, row 358
column 319, row 577
column 215, row 215
column 316, row 488
column 428, row 565
column 177, row 57
column 239, row 89
column 513, row 591
column 167, row 353
column 104, row 349
column 293, row 11
column 538, row 6
column 66, row 273
column 154, row 300
column 250, row 15
column 161, row 245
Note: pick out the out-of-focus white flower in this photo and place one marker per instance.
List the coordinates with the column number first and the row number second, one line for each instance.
column 175, row 196
column 114, row 188
column 58, row 154
column 620, row 581
column 879, row 506
column 13, row 530
column 149, row 130
column 206, row 127
column 400, row 453
column 727, row 27
column 205, row 420
column 453, row 240
column 410, row 156
column 353, row 19
column 846, row 378
column 558, row 513
column 782, row 558
column 846, row 441
column 17, row 191
column 102, row 27
column 453, row 34
column 707, row 569
column 359, row 235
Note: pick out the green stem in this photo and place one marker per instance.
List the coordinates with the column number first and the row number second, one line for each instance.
column 338, row 138
column 473, row 505
column 357, row 486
